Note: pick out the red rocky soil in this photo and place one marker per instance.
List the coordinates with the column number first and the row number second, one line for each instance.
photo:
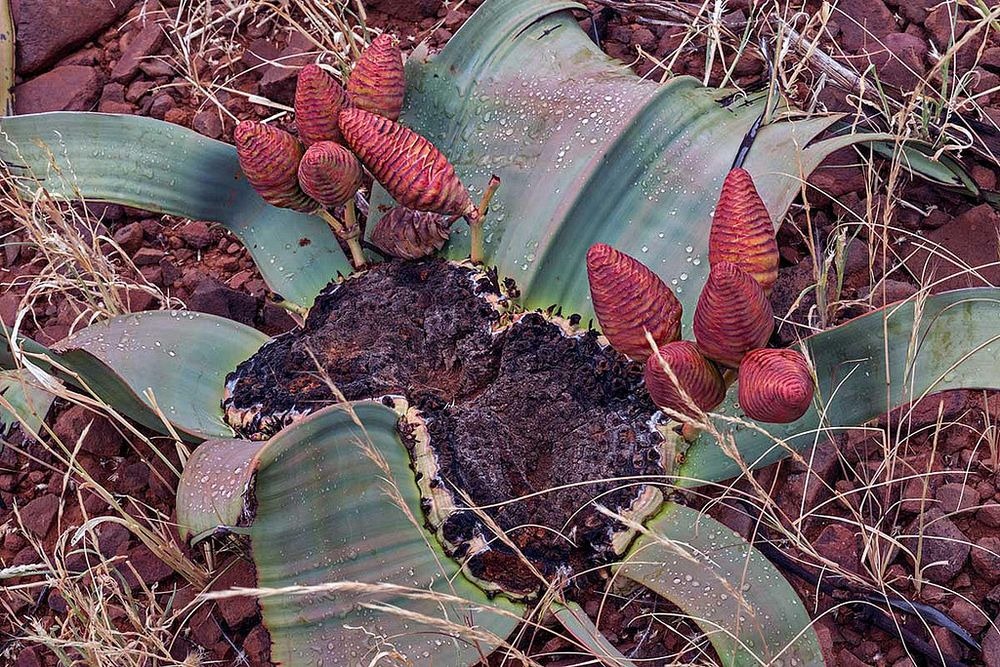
column 103, row 55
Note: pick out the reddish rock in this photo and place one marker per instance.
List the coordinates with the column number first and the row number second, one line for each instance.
column 943, row 24
column 991, row 645
column 145, row 44
column 257, row 646
column 208, row 123
column 29, row 658
column 989, row 515
column 888, row 291
column 8, row 308
column 838, row 543
column 129, row 237
column 968, row 615
column 863, row 23
column 956, row 498
column 46, row 30
column 40, row 513
column 215, row 298
column 410, row 10
column 197, row 234
column 162, row 104
column 899, row 59
column 150, row 569
column 132, row 479
column 236, row 611
column 944, row 548
column 67, row 88
column 986, row 559
column 147, row 256
column 101, row 438
column 278, row 80
column 972, row 237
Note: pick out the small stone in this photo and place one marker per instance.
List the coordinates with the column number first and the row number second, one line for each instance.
column 47, row 30
column 863, row 23
column 944, row 548
column 133, row 479
column 215, row 298
column 197, row 234
column 257, row 646
column 899, row 59
column 236, row 611
column 838, row 543
column 139, row 49
column 162, row 103
column 956, row 498
column 28, row 657
column 101, row 439
column 278, row 80
column 67, row 88
column 989, row 515
column 208, row 123
column 971, row 236
column 147, row 256
column 156, row 67
column 986, row 559
column 129, row 237
column 39, row 514
column 991, row 645
column 968, row 615
column 888, row 291
column 150, row 569
column 137, row 90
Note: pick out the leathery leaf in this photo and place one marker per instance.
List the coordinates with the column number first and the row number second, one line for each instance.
column 588, row 152
column 336, row 532
column 165, row 168
column 739, row 599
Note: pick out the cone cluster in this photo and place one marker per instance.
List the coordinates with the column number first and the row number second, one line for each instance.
column 320, row 169
column 733, row 319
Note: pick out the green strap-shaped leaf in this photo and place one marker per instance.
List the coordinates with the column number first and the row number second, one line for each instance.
column 868, row 366
column 589, row 152
column 213, row 492
column 22, row 401
column 576, row 622
column 744, row 605
column 166, row 168
column 336, row 505
column 182, row 357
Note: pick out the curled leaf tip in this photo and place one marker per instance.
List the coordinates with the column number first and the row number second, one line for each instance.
column 378, row 82
column 329, row 173
column 408, row 234
column 629, row 299
column 318, row 100
column 415, row 173
column 776, row 386
column 270, row 157
column 696, row 375
column 733, row 315
column 742, row 232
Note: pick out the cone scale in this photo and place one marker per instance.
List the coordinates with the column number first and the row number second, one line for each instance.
column 733, row 315
column 776, row 386
column 378, row 83
column 695, row 374
column 269, row 157
column 415, row 173
column 318, row 101
column 742, row 232
column 629, row 299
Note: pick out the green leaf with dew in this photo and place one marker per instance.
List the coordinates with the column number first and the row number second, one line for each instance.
column 338, row 540
column 165, row 168
column 589, row 152
column 749, row 612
